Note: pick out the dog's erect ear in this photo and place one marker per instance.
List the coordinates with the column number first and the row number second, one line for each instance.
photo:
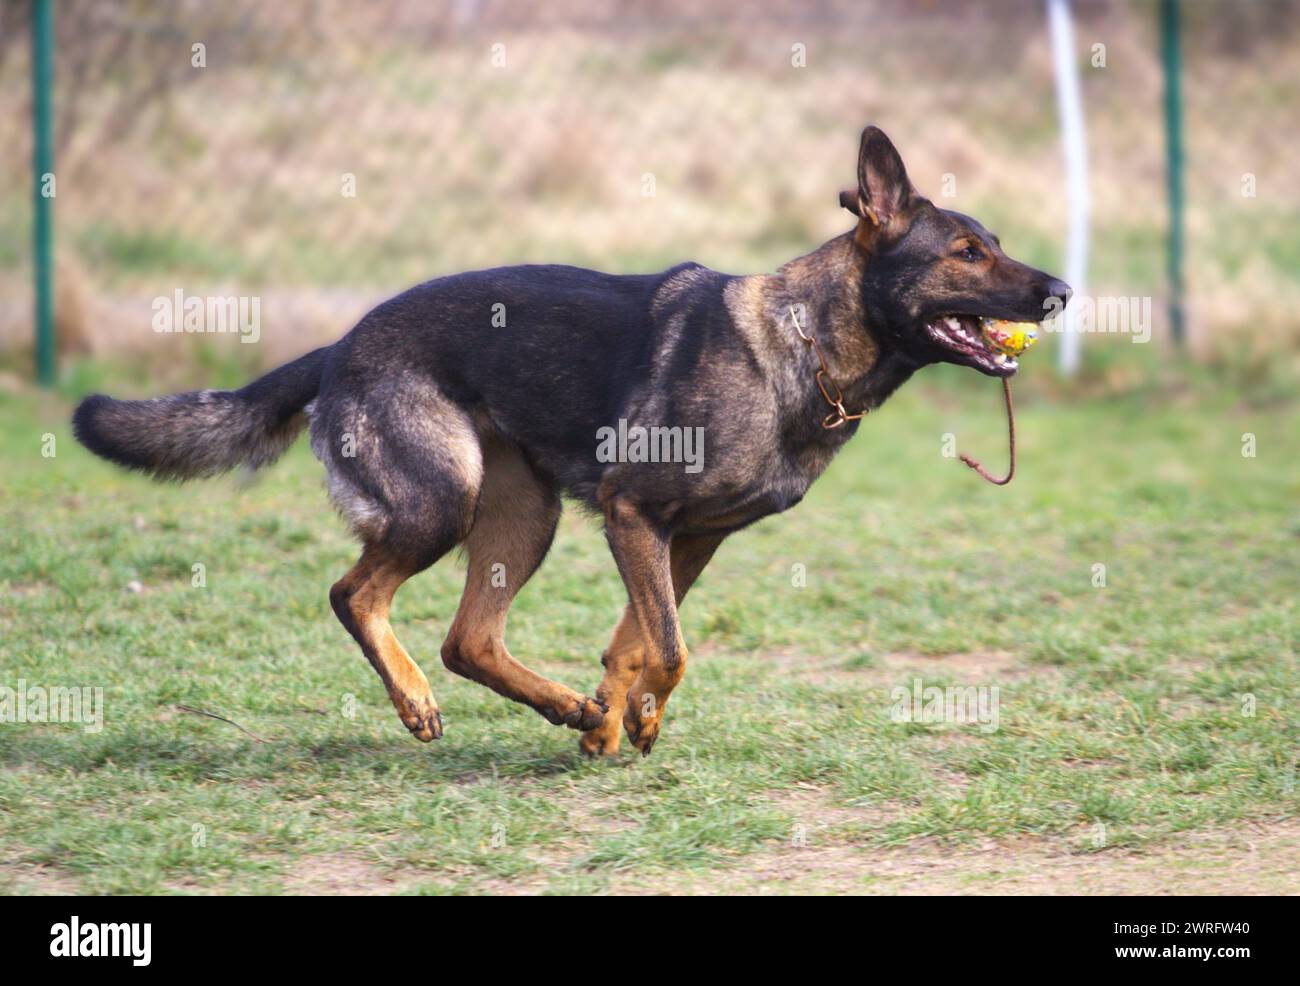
column 884, row 190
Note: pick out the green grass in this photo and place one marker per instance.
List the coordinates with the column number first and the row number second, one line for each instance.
column 140, row 251
column 1121, row 705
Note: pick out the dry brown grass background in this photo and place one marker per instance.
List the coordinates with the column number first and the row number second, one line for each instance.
column 228, row 178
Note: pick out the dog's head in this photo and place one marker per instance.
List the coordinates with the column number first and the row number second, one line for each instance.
column 932, row 275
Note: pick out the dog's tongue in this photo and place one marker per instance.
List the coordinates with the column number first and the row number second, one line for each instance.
column 1009, row 338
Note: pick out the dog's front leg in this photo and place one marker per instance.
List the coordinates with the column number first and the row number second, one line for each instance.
column 622, row 660
column 643, row 553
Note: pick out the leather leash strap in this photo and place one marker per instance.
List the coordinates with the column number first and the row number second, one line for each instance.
column 839, row 415
column 1011, row 441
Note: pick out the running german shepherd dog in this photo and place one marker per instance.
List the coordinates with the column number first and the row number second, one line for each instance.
column 459, row 411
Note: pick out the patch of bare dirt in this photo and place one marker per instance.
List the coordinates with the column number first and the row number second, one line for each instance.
column 1259, row 859
column 977, row 667
column 817, row 816
column 989, row 667
column 42, row 881
column 815, row 670
column 342, row 875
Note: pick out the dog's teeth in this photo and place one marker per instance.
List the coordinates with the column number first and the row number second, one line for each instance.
column 952, row 323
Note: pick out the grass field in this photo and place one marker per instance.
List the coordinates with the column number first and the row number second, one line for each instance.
column 1147, row 739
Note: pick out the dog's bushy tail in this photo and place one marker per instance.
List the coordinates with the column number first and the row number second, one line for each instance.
column 204, row 432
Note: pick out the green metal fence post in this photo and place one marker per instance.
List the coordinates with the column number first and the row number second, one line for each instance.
column 1172, row 59
column 42, row 204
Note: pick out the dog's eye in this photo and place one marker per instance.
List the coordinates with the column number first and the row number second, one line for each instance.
column 969, row 252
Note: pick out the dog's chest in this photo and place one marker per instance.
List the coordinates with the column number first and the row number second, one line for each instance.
column 772, row 486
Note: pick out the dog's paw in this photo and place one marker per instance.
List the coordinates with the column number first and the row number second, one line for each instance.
column 588, row 714
column 580, row 712
column 642, row 731
column 423, row 719
column 601, row 741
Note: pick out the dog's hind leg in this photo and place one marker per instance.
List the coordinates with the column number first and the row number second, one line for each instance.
column 689, row 553
column 361, row 601
column 513, row 528
column 404, row 468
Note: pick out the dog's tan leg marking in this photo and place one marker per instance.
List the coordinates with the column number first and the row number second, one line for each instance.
column 622, row 660
column 689, row 553
column 361, row 599
column 512, row 532
column 644, row 558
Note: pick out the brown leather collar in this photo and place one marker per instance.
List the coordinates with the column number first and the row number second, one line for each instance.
column 830, row 390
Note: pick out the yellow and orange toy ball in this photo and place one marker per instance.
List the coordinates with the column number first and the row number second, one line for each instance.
column 1011, row 338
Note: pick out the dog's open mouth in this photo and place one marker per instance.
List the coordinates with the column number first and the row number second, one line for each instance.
column 967, row 338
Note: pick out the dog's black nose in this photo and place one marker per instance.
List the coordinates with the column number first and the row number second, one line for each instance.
column 1056, row 288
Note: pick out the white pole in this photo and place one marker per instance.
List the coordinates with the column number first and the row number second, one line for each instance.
column 1070, row 108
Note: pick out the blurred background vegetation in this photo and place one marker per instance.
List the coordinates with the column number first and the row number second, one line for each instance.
column 483, row 133
column 1123, row 705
